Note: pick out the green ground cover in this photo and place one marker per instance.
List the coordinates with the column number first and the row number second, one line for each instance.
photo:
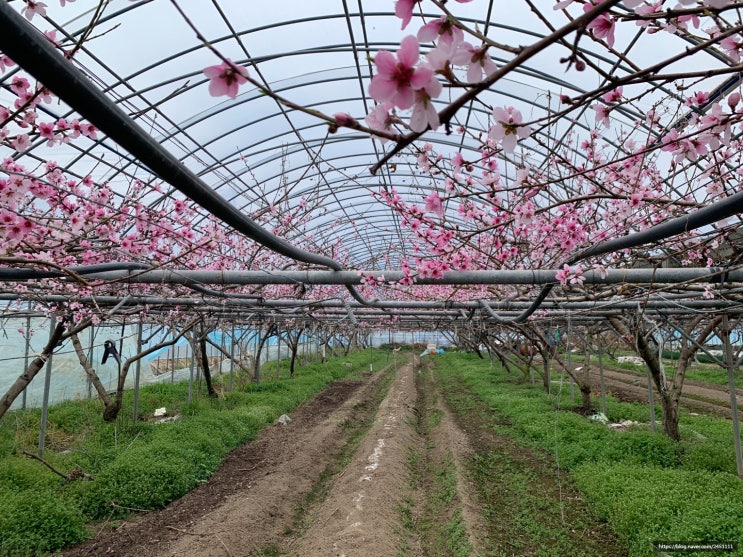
column 647, row 487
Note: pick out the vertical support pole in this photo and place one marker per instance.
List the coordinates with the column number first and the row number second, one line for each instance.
column 232, row 357
column 531, row 368
column 278, row 355
column 601, row 375
column 173, row 360
column 256, row 356
column 137, row 371
column 651, row 399
column 570, row 364
column 221, row 345
column 190, row 377
column 25, row 357
column 733, row 401
column 91, row 337
column 47, row 384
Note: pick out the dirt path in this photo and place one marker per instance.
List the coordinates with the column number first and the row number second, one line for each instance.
column 696, row 395
column 359, row 516
column 252, row 501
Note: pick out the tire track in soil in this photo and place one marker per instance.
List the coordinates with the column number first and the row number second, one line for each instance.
column 359, row 517
column 362, row 515
column 526, row 504
column 445, row 515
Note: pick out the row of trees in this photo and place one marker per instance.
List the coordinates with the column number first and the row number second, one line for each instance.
column 516, row 346
column 652, row 133
column 246, row 343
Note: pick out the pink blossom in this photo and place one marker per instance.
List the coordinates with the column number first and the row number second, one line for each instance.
column 225, row 79
column 508, row 128
column 733, row 100
column 733, row 46
column 51, row 35
column 5, row 62
column 697, row 99
column 19, row 85
column 46, row 130
column 479, row 64
column 380, row 119
column 570, row 275
column 645, row 9
column 443, row 30
column 602, row 114
column 445, row 55
column 602, row 26
column 404, row 10
column 424, row 113
column 397, row 79
column 613, row 96
column 21, row 142
column 89, row 130
column 32, row 8
column 433, row 269
column 434, row 205
column 600, row 269
column 343, row 119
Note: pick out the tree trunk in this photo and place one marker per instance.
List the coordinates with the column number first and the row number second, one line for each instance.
column 585, row 392
column 583, row 385
column 669, row 408
column 90, row 372
column 546, row 379
column 205, row 368
column 670, row 416
column 33, row 368
column 111, row 412
column 294, row 345
column 351, row 341
column 258, row 350
column 235, row 358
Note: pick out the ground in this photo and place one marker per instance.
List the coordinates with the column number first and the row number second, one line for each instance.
column 696, row 396
column 379, row 466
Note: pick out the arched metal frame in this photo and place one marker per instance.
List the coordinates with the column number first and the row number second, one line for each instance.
column 275, row 151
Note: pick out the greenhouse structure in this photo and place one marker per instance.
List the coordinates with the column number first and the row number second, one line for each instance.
column 353, row 277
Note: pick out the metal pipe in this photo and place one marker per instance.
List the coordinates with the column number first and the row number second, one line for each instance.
column 456, row 307
column 730, row 365
column 47, row 386
column 346, row 278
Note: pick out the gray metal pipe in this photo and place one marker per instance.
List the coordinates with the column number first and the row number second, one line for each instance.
column 655, row 303
column 346, row 278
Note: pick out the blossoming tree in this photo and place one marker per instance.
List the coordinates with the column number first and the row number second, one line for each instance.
column 632, row 137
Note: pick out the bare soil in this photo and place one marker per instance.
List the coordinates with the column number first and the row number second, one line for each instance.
column 696, row 396
column 253, row 498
